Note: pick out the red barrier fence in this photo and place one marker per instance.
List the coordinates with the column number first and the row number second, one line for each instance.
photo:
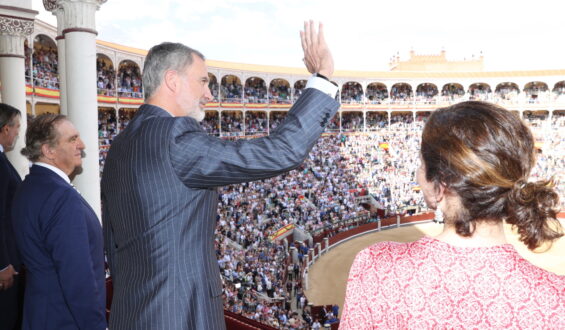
column 374, row 225
column 238, row 322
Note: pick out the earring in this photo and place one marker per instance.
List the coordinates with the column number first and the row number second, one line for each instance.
column 438, row 215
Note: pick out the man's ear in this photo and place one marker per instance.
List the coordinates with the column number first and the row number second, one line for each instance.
column 46, row 151
column 171, row 80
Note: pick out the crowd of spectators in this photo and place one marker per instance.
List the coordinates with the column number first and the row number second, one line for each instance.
column 376, row 120
column 480, row 92
column 255, row 122
column 106, row 77
column 507, row 93
column 352, row 121
column 537, row 93
column 551, row 156
column 299, row 88
column 351, row 92
column 261, row 281
column 109, row 127
column 559, row 92
column 231, row 91
column 214, row 87
column 107, row 130
column 125, row 116
column 275, row 119
column 27, row 61
column 279, row 92
column 376, row 94
column 231, row 123
column 211, row 123
column 401, row 93
column 452, row 92
column 333, row 125
column 255, row 90
column 129, row 80
column 426, row 94
column 45, row 67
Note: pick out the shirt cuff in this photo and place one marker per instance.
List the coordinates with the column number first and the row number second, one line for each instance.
column 322, row 85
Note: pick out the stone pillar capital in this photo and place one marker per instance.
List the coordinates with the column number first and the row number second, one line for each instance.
column 15, row 26
column 51, row 5
column 13, row 31
column 74, row 15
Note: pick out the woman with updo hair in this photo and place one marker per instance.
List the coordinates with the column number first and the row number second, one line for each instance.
column 476, row 158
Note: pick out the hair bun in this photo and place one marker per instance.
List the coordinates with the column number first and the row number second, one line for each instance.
column 523, row 192
column 532, row 207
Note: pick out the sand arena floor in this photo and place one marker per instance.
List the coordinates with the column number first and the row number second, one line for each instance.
column 328, row 276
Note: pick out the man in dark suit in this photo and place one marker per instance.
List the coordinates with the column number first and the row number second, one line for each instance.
column 9, row 258
column 58, row 234
column 159, row 185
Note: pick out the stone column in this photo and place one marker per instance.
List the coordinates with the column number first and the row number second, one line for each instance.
column 15, row 25
column 327, row 244
column 78, row 32
column 61, row 58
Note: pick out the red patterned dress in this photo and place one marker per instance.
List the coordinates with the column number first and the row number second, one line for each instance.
column 431, row 284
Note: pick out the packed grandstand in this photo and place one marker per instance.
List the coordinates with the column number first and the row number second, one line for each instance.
column 369, row 149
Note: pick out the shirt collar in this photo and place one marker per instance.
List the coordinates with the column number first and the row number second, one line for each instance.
column 56, row 170
column 1, row 148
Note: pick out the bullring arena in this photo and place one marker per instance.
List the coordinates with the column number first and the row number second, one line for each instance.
column 296, row 235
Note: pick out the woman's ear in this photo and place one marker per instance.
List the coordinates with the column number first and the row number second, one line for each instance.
column 439, row 190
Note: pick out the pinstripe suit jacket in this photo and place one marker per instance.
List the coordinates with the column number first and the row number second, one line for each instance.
column 160, row 203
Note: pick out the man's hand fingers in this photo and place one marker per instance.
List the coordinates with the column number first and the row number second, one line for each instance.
column 313, row 36
column 306, row 34
column 321, row 38
column 303, row 41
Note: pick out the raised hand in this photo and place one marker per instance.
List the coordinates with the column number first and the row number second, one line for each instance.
column 317, row 55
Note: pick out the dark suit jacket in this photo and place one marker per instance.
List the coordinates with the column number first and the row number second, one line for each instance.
column 9, row 305
column 160, row 203
column 61, row 244
column 9, row 182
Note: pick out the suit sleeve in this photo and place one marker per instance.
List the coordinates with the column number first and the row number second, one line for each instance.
column 203, row 161
column 4, row 258
column 67, row 240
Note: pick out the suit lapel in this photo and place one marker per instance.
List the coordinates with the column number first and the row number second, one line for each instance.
column 13, row 173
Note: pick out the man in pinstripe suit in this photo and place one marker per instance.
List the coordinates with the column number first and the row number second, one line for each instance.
column 159, row 186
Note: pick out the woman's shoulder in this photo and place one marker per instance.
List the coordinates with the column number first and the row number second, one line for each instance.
column 387, row 255
column 388, row 248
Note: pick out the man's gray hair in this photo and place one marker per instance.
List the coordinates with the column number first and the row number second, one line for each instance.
column 7, row 114
column 40, row 131
column 163, row 57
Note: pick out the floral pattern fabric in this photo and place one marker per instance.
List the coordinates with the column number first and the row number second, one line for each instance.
column 430, row 284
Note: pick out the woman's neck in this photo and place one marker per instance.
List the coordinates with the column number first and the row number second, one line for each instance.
column 487, row 233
